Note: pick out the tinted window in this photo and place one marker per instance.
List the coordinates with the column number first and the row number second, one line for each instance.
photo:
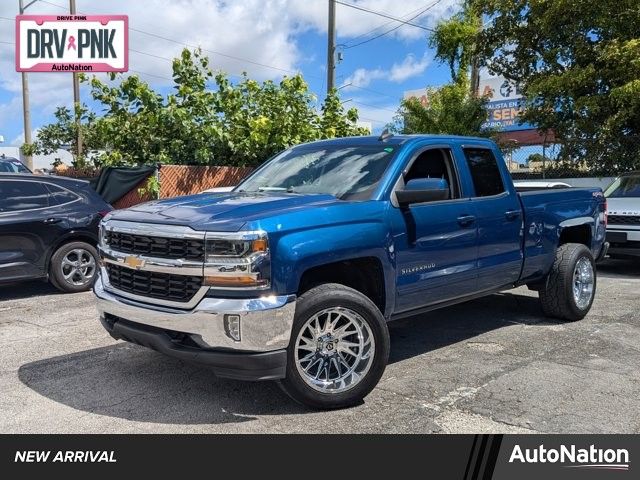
column 60, row 195
column 484, row 171
column 22, row 195
column 435, row 163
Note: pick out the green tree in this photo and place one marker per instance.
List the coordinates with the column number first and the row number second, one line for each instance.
column 240, row 123
column 577, row 62
column 450, row 109
column 63, row 134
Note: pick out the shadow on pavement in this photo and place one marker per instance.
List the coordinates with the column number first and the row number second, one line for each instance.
column 134, row 383
column 622, row 268
column 27, row 289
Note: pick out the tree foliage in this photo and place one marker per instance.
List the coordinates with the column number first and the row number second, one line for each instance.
column 240, row 123
column 578, row 64
column 450, row 109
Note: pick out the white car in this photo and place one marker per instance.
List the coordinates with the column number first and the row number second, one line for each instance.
column 623, row 215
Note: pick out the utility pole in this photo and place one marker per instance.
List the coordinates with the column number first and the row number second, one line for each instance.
column 76, row 97
column 475, row 61
column 26, row 114
column 331, row 46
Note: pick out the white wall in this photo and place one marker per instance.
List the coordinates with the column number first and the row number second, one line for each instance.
column 39, row 161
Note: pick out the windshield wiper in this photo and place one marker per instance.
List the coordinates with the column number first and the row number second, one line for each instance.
column 276, row 189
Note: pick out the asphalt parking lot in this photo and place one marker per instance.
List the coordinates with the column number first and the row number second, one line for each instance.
column 491, row 365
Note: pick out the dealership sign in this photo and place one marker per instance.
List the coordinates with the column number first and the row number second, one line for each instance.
column 72, row 43
column 505, row 104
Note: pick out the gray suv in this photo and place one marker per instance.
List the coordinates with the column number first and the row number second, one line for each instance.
column 623, row 212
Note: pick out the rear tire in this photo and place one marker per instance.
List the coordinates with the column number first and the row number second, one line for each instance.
column 339, row 348
column 570, row 286
column 73, row 267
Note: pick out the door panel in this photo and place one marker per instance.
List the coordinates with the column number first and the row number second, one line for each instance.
column 441, row 263
column 499, row 240
column 499, row 219
column 28, row 228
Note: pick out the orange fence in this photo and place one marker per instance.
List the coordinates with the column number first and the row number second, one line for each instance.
column 176, row 180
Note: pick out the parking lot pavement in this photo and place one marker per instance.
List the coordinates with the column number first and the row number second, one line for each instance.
column 490, row 365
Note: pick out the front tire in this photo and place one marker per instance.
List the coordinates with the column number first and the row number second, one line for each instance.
column 73, row 267
column 339, row 348
column 570, row 287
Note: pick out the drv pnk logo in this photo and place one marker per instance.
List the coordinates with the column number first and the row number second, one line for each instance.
column 59, row 43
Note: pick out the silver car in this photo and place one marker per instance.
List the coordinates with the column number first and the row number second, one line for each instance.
column 623, row 212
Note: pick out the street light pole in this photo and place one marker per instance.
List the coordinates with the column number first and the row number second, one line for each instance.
column 26, row 114
column 331, row 46
column 76, row 98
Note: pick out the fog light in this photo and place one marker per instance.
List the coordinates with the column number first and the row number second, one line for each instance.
column 232, row 326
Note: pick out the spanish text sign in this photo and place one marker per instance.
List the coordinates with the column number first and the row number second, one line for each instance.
column 72, row 43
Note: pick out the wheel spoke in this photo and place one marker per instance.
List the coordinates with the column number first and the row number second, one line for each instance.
column 334, row 350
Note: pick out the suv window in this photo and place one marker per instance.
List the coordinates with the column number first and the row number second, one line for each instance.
column 435, row 163
column 59, row 195
column 22, row 195
column 485, row 173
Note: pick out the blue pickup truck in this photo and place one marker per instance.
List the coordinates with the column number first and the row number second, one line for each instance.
column 294, row 274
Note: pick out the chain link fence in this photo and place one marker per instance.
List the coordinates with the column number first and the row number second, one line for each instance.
column 585, row 159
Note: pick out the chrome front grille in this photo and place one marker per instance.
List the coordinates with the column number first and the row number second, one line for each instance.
column 176, row 288
column 155, row 246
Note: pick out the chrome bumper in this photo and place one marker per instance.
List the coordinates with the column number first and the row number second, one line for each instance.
column 266, row 322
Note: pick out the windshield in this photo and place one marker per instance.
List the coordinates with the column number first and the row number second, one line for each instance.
column 627, row 186
column 348, row 173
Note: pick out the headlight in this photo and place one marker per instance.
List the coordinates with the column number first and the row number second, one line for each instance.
column 102, row 234
column 239, row 260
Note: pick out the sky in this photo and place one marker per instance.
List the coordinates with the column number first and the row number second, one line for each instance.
column 265, row 38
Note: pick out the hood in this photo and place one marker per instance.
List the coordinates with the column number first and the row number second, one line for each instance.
column 226, row 212
column 623, row 206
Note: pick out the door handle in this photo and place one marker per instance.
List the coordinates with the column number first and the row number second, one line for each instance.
column 51, row 220
column 512, row 214
column 465, row 220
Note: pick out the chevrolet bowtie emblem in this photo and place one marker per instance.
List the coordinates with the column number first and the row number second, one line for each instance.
column 133, row 262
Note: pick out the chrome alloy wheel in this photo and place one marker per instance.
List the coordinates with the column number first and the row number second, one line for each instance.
column 334, row 350
column 583, row 280
column 78, row 267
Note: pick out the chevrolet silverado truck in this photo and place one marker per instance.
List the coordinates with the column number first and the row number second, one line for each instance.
column 623, row 216
column 294, row 275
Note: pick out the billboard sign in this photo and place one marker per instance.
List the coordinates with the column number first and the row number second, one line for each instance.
column 505, row 104
column 421, row 94
column 72, row 43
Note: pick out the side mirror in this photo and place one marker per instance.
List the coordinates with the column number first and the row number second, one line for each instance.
column 421, row 190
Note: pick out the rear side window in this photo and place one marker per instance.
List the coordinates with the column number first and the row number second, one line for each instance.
column 22, row 195
column 60, row 196
column 485, row 173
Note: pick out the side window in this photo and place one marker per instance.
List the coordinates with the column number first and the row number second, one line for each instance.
column 59, row 195
column 485, row 173
column 435, row 163
column 22, row 195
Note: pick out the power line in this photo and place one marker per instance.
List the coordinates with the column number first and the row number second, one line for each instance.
column 394, row 28
column 357, row 102
column 404, row 17
column 385, row 15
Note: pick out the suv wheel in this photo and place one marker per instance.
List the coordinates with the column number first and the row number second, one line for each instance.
column 73, row 267
column 339, row 348
column 571, row 285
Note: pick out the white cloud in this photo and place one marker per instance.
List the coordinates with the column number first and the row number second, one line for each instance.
column 398, row 73
column 262, row 31
column 409, row 67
